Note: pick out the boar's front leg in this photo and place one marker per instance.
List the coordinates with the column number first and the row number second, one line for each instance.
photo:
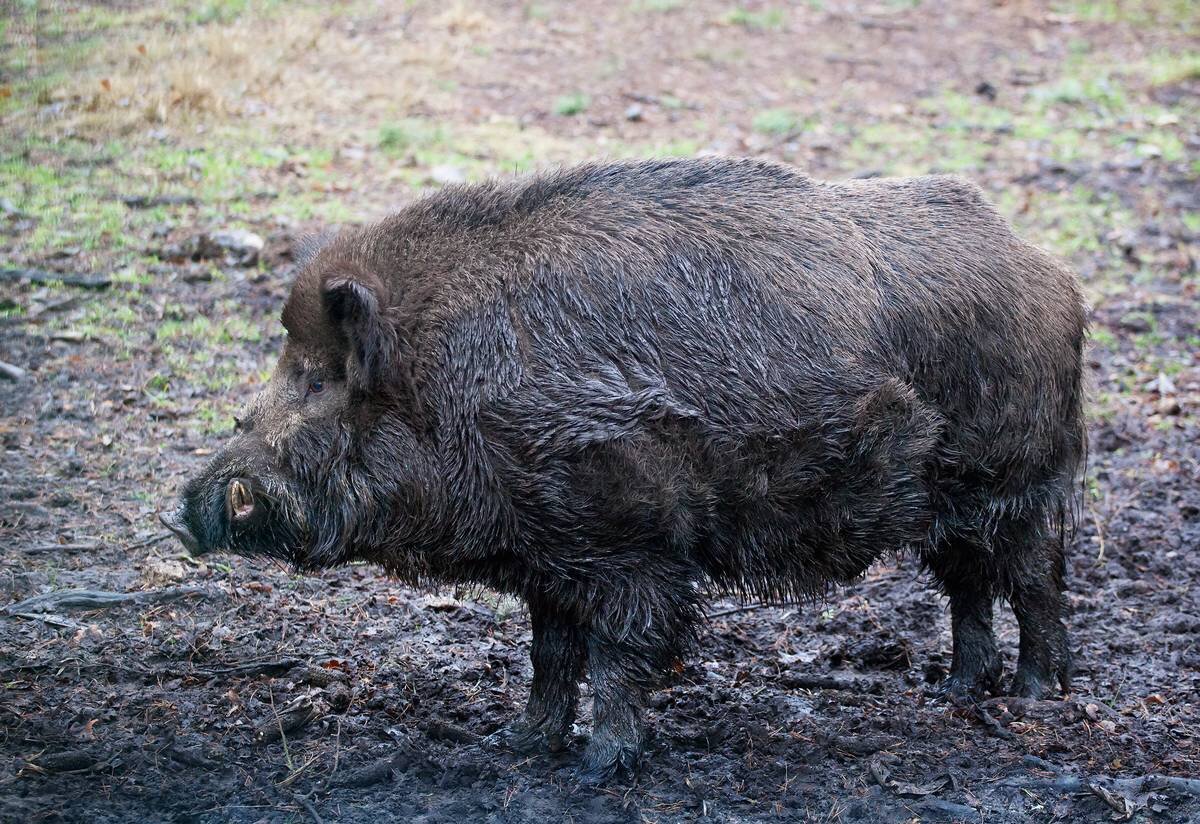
column 963, row 573
column 558, row 657
column 619, row 698
column 633, row 639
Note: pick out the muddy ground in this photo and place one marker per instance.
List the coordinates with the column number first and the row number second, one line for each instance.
column 229, row 690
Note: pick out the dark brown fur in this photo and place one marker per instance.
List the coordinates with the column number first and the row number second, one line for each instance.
column 615, row 389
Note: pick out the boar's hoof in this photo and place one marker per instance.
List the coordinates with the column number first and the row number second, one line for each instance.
column 975, row 679
column 971, row 687
column 527, row 738
column 608, row 757
column 958, row 688
column 1036, row 682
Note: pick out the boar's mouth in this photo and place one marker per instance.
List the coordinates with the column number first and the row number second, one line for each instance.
column 240, row 513
column 239, row 500
column 239, row 506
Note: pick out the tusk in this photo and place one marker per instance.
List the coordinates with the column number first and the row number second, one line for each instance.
column 241, row 500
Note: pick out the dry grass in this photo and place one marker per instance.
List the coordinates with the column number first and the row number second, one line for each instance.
column 301, row 66
column 148, row 78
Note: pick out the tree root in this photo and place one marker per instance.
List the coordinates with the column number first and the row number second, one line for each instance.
column 98, row 599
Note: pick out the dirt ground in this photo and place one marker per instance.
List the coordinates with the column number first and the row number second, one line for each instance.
column 230, row 690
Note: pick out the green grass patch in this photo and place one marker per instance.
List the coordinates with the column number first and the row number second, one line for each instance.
column 478, row 150
column 655, row 6
column 198, row 329
column 912, row 148
column 966, row 113
column 412, row 134
column 66, row 188
column 569, row 105
column 1103, row 338
column 672, row 148
column 226, row 11
column 1167, row 68
column 762, row 19
column 1181, row 13
column 777, row 122
column 1099, row 90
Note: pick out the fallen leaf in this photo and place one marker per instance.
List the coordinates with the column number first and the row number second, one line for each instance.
column 912, row 790
column 441, row 603
column 1123, row 806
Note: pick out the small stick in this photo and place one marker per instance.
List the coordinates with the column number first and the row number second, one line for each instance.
column 309, row 808
column 150, row 541
column 43, row 276
column 287, row 782
column 736, row 610
column 1099, row 530
column 278, row 667
column 82, row 547
column 52, row 620
column 337, row 752
column 287, row 754
column 826, row 682
column 1117, row 802
column 995, row 725
column 444, row 731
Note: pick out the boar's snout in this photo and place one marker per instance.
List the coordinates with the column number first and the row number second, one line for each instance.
column 211, row 511
column 174, row 522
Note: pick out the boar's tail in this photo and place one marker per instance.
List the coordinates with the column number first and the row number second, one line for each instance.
column 1074, row 440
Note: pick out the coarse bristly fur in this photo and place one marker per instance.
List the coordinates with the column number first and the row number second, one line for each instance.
column 615, row 389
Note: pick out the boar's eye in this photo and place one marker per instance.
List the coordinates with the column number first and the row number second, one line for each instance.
column 316, row 386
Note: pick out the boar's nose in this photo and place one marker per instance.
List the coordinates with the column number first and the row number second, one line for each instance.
column 174, row 522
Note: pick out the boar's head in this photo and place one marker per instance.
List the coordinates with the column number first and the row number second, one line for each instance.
column 325, row 462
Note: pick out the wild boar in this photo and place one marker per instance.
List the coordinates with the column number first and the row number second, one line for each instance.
column 617, row 389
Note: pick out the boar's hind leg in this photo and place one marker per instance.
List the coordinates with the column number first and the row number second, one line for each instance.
column 558, row 658
column 1036, row 592
column 962, row 573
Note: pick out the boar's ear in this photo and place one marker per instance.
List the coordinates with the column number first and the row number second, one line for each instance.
column 354, row 307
